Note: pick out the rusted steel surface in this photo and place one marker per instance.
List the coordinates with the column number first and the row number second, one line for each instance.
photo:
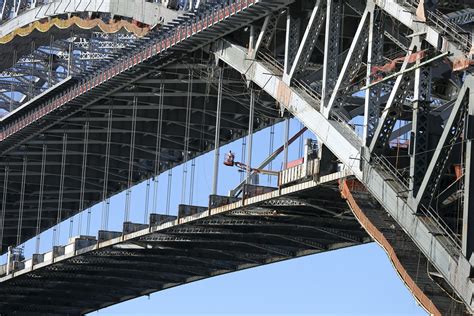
column 427, row 296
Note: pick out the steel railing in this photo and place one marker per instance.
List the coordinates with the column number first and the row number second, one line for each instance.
column 313, row 94
column 187, row 26
column 440, row 22
column 452, row 243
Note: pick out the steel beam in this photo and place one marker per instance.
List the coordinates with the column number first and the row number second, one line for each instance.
column 468, row 207
column 451, row 132
column 442, row 253
column 392, row 108
column 374, row 57
column 331, row 49
column 308, row 42
column 351, row 65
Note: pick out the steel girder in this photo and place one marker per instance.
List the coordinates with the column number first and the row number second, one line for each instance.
column 337, row 135
column 234, row 125
column 20, row 56
column 432, row 231
column 218, row 241
column 119, row 91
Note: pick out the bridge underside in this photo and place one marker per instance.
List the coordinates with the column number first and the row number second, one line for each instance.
column 188, row 83
column 163, row 93
column 191, row 83
column 303, row 219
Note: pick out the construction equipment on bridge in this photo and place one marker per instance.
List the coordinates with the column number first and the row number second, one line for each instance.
column 149, row 104
column 229, row 160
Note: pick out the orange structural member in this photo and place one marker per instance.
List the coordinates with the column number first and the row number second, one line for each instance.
column 390, row 66
column 380, row 238
column 461, row 64
column 458, row 171
column 294, row 163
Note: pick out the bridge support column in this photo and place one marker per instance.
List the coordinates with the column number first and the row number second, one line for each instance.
column 374, row 57
column 331, row 49
column 292, row 36
column 419, row 134
column 250, row 137
column 218, row 133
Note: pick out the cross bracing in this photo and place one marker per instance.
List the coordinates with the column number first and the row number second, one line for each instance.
column 253, row 232
column 403, row 82
column 175, row 81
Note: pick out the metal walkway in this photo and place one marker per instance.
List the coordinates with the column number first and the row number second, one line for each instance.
column 388, row 94
column 302, row 219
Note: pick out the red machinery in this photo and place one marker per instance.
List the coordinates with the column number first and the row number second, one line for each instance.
column 229, row 160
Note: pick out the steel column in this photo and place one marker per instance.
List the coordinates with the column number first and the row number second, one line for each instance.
column 331, row 49
column 468, row 205
column 419, row 134
column 292, row 36
column 217, row 138
column 250, row 135
column 350, row 67
column 374, row 57
column 391, row 111
column 308, row 42
column 452, row 131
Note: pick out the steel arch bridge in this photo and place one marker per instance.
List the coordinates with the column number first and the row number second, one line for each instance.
column 114, row 95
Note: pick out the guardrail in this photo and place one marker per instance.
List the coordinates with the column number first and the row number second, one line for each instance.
column 188, row 27
column 452, row 242
column 302, row 171
column 313, row 94
column 269, row 59
column 439, row 21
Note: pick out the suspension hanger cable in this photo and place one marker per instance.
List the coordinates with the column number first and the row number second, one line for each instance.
column 32, row 67
column 191, row 181
column 128, row 195
column 250, row 134
column 147, row 201
column 22, row 200
column 40, row 198
column 208, row 79
column 159, row 132
column 57, row 228
column 270, row 151
column 243, row 156
column 168, row 193
column 301, row 142
column 218, row 133
column 105, row 199
column 50, row 61
column 12, row 82
column 4, row 204
column 83, row 176
column 186, row 136
column 285, row 142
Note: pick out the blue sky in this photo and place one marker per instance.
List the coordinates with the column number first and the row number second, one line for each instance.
column 351, row 281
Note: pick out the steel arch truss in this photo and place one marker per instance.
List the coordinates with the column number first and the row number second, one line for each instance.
column 355, row 76
column 396, row 114
column 250, row 233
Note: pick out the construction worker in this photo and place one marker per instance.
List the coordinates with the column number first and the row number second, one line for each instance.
column 229, row 159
